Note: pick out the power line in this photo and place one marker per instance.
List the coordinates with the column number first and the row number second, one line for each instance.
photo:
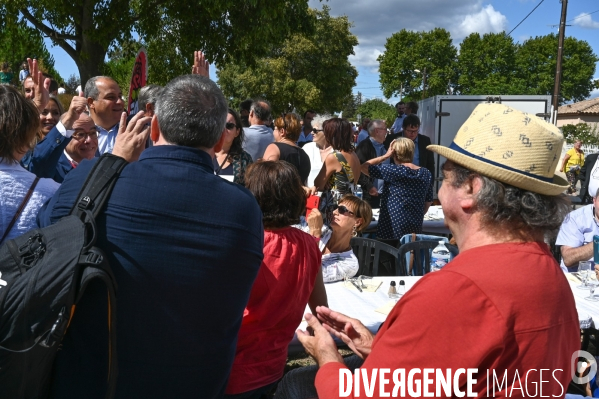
column 526, row 17
column 583, row 15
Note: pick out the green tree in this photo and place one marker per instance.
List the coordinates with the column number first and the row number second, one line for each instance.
column 20, row 42
column 351, row 105
column 487, row 65
column 224, row 29
column 378, row 109
column 407, row 51
column 536, row 62
column 309, row 71
column 581, row 131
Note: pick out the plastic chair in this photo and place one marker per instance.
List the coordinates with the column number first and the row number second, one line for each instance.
column 422, row 256
column 368, row 253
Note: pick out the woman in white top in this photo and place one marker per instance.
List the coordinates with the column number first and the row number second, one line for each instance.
column 351, row 216
column 318, row 148
column 19, row 126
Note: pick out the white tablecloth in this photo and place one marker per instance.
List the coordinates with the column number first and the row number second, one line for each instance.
column 362, row 305
column 359, row 305
column 434, row 223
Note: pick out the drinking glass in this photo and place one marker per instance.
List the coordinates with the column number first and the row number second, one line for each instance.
column 592, row 283
column 584, row 271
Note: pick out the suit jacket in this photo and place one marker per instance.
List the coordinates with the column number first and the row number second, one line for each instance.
column 585, row 174
column 185, row 247
column 365, row 152
column 47, row 154
column 427, row 158
column 63, row 167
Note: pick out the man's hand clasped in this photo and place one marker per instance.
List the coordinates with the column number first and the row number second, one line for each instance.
column 321, row 345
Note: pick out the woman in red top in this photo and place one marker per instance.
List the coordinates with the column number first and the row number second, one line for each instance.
column 290, row 277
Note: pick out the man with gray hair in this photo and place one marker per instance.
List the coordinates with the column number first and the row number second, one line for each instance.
column 368, row 149
column 501, row 301
column 258, row 136
column 178, row 238
column 105, row 103
column 148, row 95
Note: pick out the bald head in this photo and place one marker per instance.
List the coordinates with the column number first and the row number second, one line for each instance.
column 105, row 102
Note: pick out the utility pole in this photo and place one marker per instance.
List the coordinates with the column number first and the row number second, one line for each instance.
column 560, row 50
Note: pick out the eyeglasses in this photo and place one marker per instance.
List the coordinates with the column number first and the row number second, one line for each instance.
column 317, row 130
column 82, row 136
column 230, row 125
column 343, row 210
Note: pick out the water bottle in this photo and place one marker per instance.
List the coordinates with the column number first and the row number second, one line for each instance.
column 440, row 256
column 596, row 249
column 359, row 192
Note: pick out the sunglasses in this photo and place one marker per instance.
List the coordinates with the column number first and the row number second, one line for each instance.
column 230, row 125
column 343, row 210
column 317, row 130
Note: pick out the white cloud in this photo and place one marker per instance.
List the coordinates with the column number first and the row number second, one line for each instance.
column 366, row 56
column 487, row 20
column 375, row 22
column 585, row 21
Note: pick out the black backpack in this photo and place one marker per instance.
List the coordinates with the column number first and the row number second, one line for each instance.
column 46, row 273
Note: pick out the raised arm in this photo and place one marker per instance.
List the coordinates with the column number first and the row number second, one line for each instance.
column 375, row 161
column 200, row 64
column 41, row 85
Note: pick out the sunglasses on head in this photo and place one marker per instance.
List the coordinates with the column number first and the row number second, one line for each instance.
column 230, row 125
column 342, row 210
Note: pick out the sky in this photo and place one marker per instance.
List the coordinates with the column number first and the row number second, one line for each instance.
column 374, row 22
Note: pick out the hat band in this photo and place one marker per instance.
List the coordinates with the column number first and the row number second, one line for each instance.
column 459, row 149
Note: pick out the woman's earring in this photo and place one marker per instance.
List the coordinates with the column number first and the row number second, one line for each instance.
column 355, row 233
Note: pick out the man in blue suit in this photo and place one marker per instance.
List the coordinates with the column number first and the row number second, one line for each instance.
column 48, row 158
column 185, row 247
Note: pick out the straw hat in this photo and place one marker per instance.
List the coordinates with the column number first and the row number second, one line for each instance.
column 510, row 146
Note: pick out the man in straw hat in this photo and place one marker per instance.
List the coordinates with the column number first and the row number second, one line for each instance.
column 502, row 306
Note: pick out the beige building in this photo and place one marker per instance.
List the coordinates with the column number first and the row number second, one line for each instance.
column 586, row 111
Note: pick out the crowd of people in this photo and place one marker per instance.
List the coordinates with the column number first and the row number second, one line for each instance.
column 215, row 261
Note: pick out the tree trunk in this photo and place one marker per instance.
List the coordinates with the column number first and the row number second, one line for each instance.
column 90, row 60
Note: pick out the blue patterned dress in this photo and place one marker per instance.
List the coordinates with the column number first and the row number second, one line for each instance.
column 402, row 201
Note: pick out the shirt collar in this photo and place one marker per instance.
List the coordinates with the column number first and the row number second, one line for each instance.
column 101, row 130
column 194, row 155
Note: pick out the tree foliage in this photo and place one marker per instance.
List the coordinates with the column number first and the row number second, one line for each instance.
column 491, row 64
column 378, row 109
column 407, row 51
column 487, row 65
column 537, row 61
column 224, row 29
column 20, row 42
column 309, row 71
column 581, row 131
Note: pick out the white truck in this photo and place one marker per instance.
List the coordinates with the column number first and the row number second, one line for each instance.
column 442, row 116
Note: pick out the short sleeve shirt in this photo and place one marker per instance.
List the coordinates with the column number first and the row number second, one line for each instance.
column 578, row 229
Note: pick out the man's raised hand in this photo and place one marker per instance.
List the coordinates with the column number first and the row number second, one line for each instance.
column 76, row 108
column 131, row 139
column 41, row 85
column 200, row 64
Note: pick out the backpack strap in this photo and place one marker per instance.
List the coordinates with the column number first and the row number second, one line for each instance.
column 20, row 210
column 98, row 186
